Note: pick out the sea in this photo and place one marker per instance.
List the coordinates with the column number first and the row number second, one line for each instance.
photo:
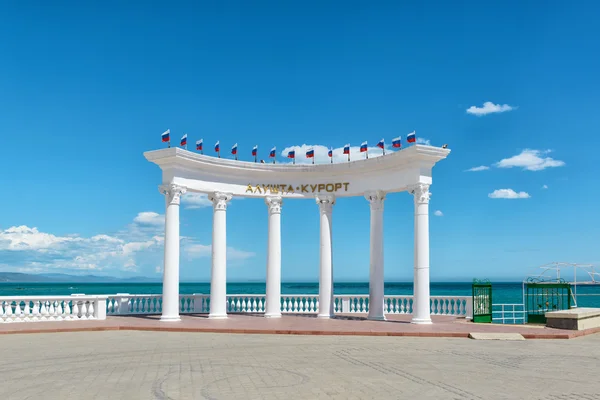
column 502, row 292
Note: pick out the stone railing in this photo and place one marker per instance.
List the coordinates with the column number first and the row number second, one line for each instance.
column 82, row 307
column 123, row 304
column 52, row 308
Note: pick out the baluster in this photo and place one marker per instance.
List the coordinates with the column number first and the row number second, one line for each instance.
column 59, row 310
column 43, row 311
column 18, row 310
column 254, row 309
column 35, row 310
column 67, row 309
column 3, row 310
column 295, row 306
column 84, row 309
column 91, row 309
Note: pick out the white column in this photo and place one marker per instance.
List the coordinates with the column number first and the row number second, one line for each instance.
column 170, row 293
column 273, row 306
column 218, row 278
column 421, row 302
column 376, row 280
column 326, row 256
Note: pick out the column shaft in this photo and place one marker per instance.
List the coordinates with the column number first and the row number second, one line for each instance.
column 273, row 300
column 422, row 299
column 326, row 258
column 376, row 279
column 218, row 278
column 170, row 292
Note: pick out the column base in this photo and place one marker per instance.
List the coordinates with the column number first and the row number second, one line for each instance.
column 376, row 317
column 324, row 316
column 273, row 315
column 421, row 321
column 217, row 316
column 165, row 318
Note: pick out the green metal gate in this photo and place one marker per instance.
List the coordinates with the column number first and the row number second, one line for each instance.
column 482, row 301
column 542, row 297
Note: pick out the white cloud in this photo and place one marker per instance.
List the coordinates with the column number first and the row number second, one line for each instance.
column 26, row 238
column 508, row 194
column 476, row 169
column 27, row 249
column 423, row 141
column 149, row 218
column 530, row 160
column 195, row 200
column 438, row 213
column 489, row 108
column 545, row 187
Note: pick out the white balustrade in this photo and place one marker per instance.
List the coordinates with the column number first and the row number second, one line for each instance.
column 82, row 307
column 52, row 308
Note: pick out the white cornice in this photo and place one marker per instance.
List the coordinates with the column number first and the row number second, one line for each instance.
column 392, row 172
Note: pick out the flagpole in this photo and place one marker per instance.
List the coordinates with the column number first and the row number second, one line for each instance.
column 255, row 158
column 219, row 153
column 367, row 153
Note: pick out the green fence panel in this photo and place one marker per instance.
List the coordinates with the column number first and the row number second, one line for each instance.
column 482, row 301
column 542, row 297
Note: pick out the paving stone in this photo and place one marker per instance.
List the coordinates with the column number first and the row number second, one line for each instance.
column 177, row 365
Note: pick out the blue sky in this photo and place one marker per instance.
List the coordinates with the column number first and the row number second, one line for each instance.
column 88, row 87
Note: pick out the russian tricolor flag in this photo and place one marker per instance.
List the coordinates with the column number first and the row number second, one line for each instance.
column 199, row 145
column 330, row 153
column 272, row 152
column 184, row 140
column 166, row 136
column 217, row 147
column 292, row 154
column 310, row 153
column 234, row 149
column 397, row 142
column 347, row 149
column 381, row 144
column 411, row 137
column 255, row 151
column 363, row 147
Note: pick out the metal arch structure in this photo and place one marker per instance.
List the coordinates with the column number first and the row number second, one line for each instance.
column 553, row 273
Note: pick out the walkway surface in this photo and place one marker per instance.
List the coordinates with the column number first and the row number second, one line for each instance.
column 397, row 325
column 178, row 365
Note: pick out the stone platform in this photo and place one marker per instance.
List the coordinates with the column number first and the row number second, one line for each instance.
column 396, row 325
column 574, row 319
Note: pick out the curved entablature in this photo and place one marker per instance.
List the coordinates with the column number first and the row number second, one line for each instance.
column 393, row 172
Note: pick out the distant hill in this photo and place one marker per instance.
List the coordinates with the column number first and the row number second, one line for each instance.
column 18, row 277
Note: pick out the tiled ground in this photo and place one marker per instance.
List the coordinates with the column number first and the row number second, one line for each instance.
column 177, row 365
column 398, row 325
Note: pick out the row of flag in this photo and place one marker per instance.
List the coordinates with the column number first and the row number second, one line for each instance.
column 396, row 143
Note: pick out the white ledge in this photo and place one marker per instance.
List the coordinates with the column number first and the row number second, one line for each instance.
column 393, row 172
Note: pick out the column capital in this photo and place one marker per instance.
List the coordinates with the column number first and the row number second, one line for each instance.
column 375, row 198
column 173, row 192
column 220, row 200
column 421, row 193
column 325, row 202
column 274, row 204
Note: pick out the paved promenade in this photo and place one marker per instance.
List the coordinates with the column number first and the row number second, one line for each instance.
column 174, row 365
